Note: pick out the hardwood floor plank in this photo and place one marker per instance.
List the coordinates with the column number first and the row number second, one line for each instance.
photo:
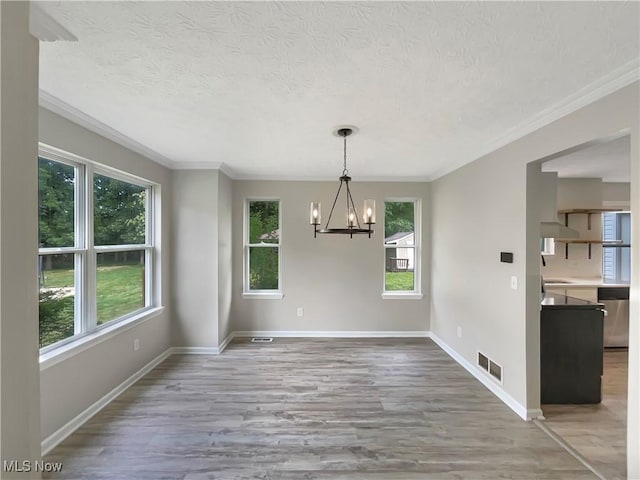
column 312, row 409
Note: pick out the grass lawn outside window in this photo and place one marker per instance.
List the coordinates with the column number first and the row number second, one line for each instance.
column 398, row 281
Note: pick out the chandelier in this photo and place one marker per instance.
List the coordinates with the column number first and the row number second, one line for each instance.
column 353, row 225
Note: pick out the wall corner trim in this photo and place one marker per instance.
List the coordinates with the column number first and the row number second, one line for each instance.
column 225, row 342
column 71, row 426
column 512, row 403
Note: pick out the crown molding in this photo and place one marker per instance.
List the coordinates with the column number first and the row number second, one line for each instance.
column 333, row 178
column 610, row 83
column 59, row 107
column 45, row 28
column 196, row 165
column 221, row 166
column 229, row 172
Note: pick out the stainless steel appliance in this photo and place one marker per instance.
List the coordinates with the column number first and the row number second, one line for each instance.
column 616, row 320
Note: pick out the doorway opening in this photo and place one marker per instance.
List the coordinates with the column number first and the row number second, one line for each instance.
column 593, row 199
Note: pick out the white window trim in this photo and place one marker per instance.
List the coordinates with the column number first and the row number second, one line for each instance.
column 416, row 293
column 260, row 294
column 86, row 253
column 399, row 295
column 80, row 343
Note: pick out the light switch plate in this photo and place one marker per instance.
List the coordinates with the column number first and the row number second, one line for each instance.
column 514, row 282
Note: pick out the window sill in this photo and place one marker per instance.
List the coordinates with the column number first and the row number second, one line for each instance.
column 68, row 350
column 402, row 296
column 263, row 295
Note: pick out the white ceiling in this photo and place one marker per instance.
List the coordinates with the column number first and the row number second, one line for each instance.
column 610, row 161
column 259, row 86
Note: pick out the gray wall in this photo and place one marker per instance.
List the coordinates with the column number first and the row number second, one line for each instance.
column 484, row 208
column 71, row 386
column 618, row 193
column 336, row 280
column 195, row 258
column 225, row 249
column 201, row 258
column 19, row 386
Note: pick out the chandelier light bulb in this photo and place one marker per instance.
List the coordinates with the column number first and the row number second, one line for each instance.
column 352, row 217
column 369, row 212
column 315, row 216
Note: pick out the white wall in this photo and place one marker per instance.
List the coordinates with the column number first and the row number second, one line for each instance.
column 485, row 207
column 19, row 369
column 69, row 387
column 338, row 281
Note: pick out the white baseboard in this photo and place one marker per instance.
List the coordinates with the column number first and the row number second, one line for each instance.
column 535, row 414
column 225, row 342
column 195, row 350
column 68, row 428
column 331, row 334
column 493, row 386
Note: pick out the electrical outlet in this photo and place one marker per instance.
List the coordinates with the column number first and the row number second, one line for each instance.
column 514, row 282
column 300, row 312
column 136, row 344
column 459, row 332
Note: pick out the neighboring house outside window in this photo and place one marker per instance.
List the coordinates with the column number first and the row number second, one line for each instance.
column 262, row 255
column 96, row 247
column 402, row 247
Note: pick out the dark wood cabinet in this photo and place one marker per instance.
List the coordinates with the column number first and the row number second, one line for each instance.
column 571, row 350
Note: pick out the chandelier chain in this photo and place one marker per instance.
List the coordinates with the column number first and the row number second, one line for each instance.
column 344, row 170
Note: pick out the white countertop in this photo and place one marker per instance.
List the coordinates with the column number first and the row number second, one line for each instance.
column 574, row 282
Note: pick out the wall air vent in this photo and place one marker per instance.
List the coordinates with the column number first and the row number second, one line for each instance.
column 261, row 340
column 495, row 370
column 483, row 361
column 489, row 366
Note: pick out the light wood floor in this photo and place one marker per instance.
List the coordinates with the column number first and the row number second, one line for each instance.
column 598, row 432
column 305, row 409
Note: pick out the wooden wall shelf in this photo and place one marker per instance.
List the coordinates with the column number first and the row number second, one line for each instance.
column 585, row 211
column 608, row 243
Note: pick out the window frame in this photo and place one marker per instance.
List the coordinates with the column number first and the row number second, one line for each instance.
column 247, row 292
column 620, row 263
column 416, row 293
column 85, row 252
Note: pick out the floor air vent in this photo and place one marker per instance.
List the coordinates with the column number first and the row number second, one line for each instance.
column 489, row 366
column 261, row 340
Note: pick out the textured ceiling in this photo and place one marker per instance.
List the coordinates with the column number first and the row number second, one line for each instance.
column 610, row 161
column 259, row 86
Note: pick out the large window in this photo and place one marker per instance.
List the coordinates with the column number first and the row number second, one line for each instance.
column 262, row 247
column 96, row 247
column 616, row 260
column 401, row 246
